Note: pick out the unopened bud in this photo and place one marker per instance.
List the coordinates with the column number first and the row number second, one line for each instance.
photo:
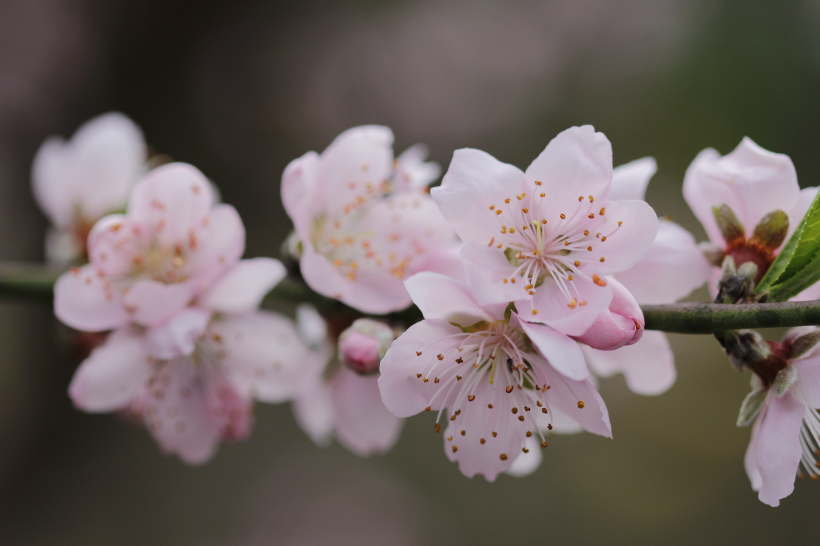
column 771, row 231
column 745, row 348
column 729, row 225
column 736, row 284
column 363, row 345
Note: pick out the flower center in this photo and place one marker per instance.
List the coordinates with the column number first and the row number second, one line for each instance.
column 558, row 248
column 495, row 366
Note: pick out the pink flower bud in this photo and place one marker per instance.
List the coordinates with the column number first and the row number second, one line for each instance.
column 621, row 324
column 362, row 346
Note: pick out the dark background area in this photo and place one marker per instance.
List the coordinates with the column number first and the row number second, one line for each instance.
column 239, row 89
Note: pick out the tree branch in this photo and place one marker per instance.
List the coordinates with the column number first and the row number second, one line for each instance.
column 28, row 281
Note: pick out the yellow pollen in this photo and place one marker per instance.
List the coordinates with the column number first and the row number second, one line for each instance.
column 505, row 281
column 535, row 311
column 495, row 434
column 598, row 280
column 543, row 221
column 602, row 211
column 566, row 243
column 440, row 357
column 436, row 379
column 577, row 263
column 471, row 397
column 438, row 427
column 537, row 183
column 463, row 432
column 591, row 199
column 603, row 238
column 543, row 410
column 544, row 444
column 580, row 198
column 512, row 281
column 503, row 456
column 591, row 216
column 507, row 200
column 586, row 232
column 492, row 207
column 520, row 417
column 638, row 327
column 512, row 230
column 524, row 228
column 620, row 222
column 503, row 229
column 543, row 194
column 573, row 304
column 583, row 303
column 580, row 404
column 525, row 211
column 499, row 245
column 498, row 211
column 482, row 440
column 491, row 241
column 490, row 406
column 569, row 277
column 525, row 450
column 515, row 410
column 428, row 408
column 589, row 248
column 535, row 253
column 602, row 259
column 528, row 287
column 338, row 263
column 563, row 217
column 529, row 434
column 455, row 448
column 509, row 389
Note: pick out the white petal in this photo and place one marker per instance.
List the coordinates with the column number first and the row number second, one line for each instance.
column 242, row 287
column 629, row 181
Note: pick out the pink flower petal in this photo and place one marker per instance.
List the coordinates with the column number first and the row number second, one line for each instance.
column 527, row 463
column 402, row 391
column 778, row 447
column 648, row 365
column 241, row 288
column 113, row 375
column 440, row 297
column 152, row 302
column 554, row 309
column 629, row 181
column 474, row 182
column 750, row 459
column 671, row 268
column 358, row 159
column 116, row 243
column 577, row 162
column 298, row 193
column 173, row 200
column 487, row 268
column 621, row 324
column 178, row 412
column 498, row 452
column 559, row 350
column 177, row 336
column 629, row 228
column 750, row 180
column 313, row 409
column 216, row 246
column 87, row 302
column 363, row 423
column 565, row 394
column 808, row 378
column 264, row 357
column 92, row 173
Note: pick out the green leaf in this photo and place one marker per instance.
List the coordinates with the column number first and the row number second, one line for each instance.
column 798, row 265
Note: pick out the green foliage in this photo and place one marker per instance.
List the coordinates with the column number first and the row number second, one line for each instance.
column 798, row 265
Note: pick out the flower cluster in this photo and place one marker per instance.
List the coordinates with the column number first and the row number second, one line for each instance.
column 530, row 284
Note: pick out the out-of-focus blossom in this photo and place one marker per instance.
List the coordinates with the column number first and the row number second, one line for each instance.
column 150, row 263
column 749, row 202
column 545, row 238
column 671, row 268
column 363, row 345
column 193, row 378
column 362, row 233
column 341, row 402
column 77, row 182
column 784, row 400
column 411, row 172
column 499, row 378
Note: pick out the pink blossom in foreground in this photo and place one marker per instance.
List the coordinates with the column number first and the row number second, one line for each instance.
column 786, row 433
column 619, row 325
column 753, row 183
column 77, row 182
column 545, row 238
column 672, row 267
column 149, row 264
column 499, row 378
column 192, row 380
column 341, row 402
column 363, row 227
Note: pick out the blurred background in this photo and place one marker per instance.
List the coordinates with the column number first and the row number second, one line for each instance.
column 239, row 89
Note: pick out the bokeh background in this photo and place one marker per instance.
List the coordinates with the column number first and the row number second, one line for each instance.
column 238, row 89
